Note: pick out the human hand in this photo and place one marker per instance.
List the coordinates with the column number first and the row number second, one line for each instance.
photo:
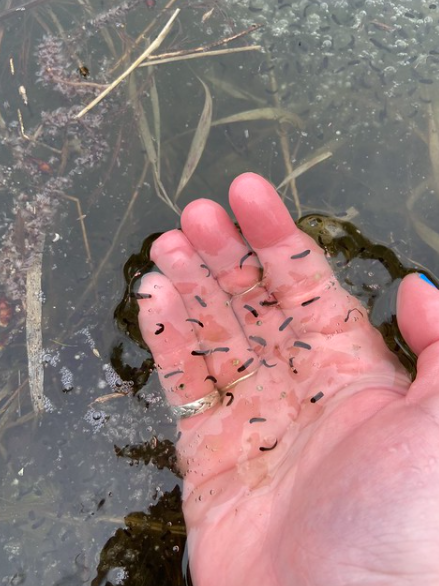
column 318, row 463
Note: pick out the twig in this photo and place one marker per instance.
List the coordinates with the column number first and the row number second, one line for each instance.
column 207, row 48
column 81, row 221
column 142, row 35
column 152, row 47
column 247, row 31
column 158, row 60
column 34, row 337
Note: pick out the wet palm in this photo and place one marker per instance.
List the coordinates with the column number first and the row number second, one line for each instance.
column 319, row 466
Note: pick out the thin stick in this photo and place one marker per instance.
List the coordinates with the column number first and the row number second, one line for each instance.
column 142, row 36
column 183, row 57
column 81, row 221
column 34, row 336
column 152, row 47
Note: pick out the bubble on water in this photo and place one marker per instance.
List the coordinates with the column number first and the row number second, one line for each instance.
column 51, row 358
column 48, row 405
column 66, row 378
column 96, row 419
column 117, row 384
column 88, row 338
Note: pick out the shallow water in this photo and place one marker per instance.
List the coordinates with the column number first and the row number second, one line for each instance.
column 89, row 493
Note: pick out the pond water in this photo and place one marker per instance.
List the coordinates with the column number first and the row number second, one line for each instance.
column 89, row 492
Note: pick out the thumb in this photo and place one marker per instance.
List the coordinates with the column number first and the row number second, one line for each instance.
column 417, row 312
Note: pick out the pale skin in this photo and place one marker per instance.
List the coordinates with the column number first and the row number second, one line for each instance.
column 345, row 490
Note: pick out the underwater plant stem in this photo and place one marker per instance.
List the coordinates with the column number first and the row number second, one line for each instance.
column 115, row 239
column 285, row 146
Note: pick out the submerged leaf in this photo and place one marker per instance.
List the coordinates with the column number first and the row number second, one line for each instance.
column 198, row 142
column 428, row 235
column 305, row 167
column 278, row 114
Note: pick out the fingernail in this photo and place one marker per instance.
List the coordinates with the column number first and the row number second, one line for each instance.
column 427, row 280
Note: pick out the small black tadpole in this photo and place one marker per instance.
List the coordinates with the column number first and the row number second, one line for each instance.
column 265, row 363
column 268, row 303
column 200, row 301
column 221, row 349
column 305, row 303
column 317, row 397
column 245, row 365
column 231, row 398
column 299, row 344
column 212, row 378
column 134, row 295
column 291, row 363
column 173, row 373
column 264, row 449
column 285, row 324
column 349, row 313
column 195, row 321
column 203, row 266
column 300, row 255
column 252, row 310
column 200, row 352
column 257, row 420
column 258, row 340
column 244, row 258
column 160, row 330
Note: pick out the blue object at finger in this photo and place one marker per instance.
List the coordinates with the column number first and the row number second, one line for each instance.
column 427, row 280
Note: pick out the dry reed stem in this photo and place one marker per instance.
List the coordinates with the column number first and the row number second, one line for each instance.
column 142, row 36
column 154, row 45
column 186, row 56
column 81, row 216
column 34, row 336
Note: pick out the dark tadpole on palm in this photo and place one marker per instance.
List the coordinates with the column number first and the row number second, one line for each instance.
column 200, row 301
column 264, row 449
column 245, row 365
column 245, row 257
column 265, row 363
column 203, row 266
column 252, row 310
column 300, row 254
column 195, row 321
column 285, row 324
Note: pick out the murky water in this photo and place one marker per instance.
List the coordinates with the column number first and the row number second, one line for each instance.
column 89, row 493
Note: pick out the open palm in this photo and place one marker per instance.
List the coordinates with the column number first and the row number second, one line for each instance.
column 319, row 466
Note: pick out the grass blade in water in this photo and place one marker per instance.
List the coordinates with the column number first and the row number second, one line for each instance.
column 279, row 114
column 198, row 142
